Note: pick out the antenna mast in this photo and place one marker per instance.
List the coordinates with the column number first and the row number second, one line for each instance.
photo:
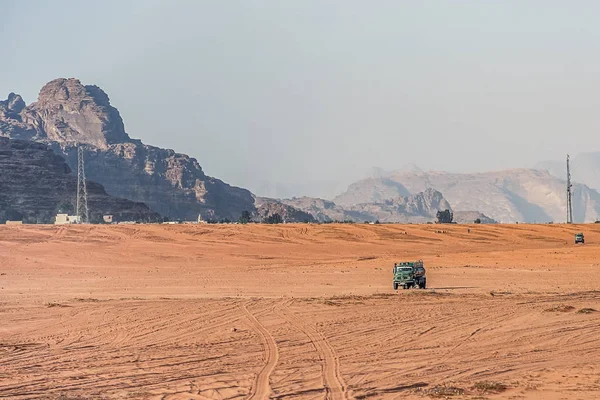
column 569, row 195
column 82, row 204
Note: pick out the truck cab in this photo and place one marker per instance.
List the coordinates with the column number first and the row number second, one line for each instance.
column 409, row 274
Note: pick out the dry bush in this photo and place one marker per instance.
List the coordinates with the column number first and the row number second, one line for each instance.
column 560, row 308
column 586, row 311
column 490, row 387
column 444, row 391
column 50, row 305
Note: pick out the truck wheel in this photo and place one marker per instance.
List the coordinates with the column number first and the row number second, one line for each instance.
column 424, row 284
column 395, row 286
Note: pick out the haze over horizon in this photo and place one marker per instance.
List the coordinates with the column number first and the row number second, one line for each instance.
column 302, row 98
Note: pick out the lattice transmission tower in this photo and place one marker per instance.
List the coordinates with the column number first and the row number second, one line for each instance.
column 82, row 204
column 569, row 194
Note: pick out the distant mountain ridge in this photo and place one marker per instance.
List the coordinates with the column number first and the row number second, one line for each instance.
column 69, row 114
column 417, row 208
column 469, row 217
column 266, row 207
column 516, row 195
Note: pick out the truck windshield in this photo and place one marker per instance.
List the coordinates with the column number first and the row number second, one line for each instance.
column 404, row 269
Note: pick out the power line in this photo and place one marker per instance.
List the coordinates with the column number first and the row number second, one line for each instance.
column 82, row 204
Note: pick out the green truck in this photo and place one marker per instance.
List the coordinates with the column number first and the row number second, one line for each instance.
column 579, row 238
column 409, row 274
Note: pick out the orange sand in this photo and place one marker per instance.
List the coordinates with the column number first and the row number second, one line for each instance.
column 298, row 311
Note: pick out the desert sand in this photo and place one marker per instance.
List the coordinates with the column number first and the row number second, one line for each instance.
column 298, row 311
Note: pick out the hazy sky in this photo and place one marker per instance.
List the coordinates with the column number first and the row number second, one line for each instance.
column 308, row 95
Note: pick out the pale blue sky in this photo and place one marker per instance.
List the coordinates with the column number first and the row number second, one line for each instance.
column 308, row 95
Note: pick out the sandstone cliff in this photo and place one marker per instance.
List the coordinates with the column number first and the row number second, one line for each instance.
column 68, row 114
column 36, row 184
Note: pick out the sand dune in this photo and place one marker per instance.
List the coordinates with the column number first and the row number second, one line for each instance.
column 298, row 311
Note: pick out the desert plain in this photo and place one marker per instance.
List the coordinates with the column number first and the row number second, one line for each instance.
column 179, row 312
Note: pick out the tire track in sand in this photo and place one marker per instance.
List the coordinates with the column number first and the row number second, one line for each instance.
column 261, row 389
column 334, row 384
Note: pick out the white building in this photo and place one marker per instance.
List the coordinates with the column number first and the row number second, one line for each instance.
column 64, row 219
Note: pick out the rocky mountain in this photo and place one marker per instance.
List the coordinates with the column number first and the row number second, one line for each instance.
column 321, row 210
column 371, row 190
column 11, row 122
column 421, row 207
column 417, row 208
column 518, row 195
column 469, row 217
column 68, row 114
column 266, row 207
column 36, row 184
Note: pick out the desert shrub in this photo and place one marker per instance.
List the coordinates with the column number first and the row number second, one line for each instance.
column 586, row 311
column 490, row 387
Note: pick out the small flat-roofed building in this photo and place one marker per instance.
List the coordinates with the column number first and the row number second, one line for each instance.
column 61, row 219
column 64, row 219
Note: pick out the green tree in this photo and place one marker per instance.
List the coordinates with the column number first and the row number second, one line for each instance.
column 273, row 219
column 245, row 218
column 444, row 217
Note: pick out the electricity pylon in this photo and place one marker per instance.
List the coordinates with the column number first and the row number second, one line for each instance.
column 569, row 194
column 82, row 204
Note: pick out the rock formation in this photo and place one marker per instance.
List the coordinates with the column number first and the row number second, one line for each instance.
column 321, row 210
column 518, row 195
column 266, row 207
column 418, row 208
column 68, row 114
column 36, row 184
column 371, row 190
column 11, row 121
column 469, row 217
column 421, row 207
